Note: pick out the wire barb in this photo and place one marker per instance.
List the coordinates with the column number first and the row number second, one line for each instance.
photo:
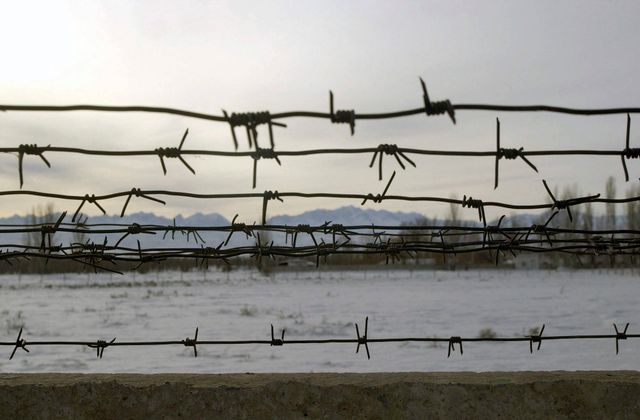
column 566, row 204
column 174, row 152
column 389, row 149
column 277, row 341
column 362, row 339
column 535, row 338
column 30, row 149
column 508, row 154
column 100, row 345
column 475, row 204
column 267, row 196
column 251, row 121
column 20, row 343
column 379, row 197
column 192, row 342
column 452, row 342
column 138, row 193
column 88, row 199
column 620, row 335
column 342, row 116
column 436, row 108
column 262, row 154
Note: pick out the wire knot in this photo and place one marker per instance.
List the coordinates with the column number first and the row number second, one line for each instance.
column 375, row 198
column 632, row 153
column 48, row 229
column 174, row 152
column 566, row 204
column 379, row 197
column 389, row 149
column 192, row 342
column 277, row 341
column 475, row 204
column 261, row 153
column 536, row 338
column 238, row 227
column 100, row 346
column 138, row 193
column 471, row 202
column 337, row 227
column 509, row 153
column 31, row 149
column 620, row 335
column 272, row 195
column 452, row 342
column 438, row 107
column 168, row 152
column 21, row 343
column 134, row 229
column 268, row 196
column 342, row 116
column 304, row 229
column 362, row 339
column 250, row 119
column 392, row 150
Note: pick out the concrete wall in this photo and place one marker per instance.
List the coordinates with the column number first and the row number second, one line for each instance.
column 373, row 396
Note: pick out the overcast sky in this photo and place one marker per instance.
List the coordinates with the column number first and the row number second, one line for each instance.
column 286, row 55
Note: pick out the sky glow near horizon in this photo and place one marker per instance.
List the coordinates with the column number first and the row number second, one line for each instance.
column 282, row 56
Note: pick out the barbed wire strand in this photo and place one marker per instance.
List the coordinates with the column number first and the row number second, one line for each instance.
column 536, row 337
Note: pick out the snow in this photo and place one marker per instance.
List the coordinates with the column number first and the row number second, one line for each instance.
column 242, row 304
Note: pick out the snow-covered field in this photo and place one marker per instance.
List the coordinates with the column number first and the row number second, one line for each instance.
column 319, row 304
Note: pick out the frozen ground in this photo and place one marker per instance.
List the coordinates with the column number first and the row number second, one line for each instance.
column 319, row 304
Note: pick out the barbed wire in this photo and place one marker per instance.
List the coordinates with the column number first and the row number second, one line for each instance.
column 534, row 339
column 399, row 153
column 390, row 243
column 250, row 120
column 93, row 254
column 465, row 202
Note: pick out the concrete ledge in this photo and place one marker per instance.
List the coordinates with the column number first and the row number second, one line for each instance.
column 345, row 395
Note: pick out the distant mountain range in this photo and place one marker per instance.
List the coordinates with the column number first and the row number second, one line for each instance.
column 347, row 215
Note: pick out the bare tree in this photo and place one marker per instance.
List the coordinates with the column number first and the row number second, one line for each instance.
column 454, row 212
column 39, row 215
column 633, row 219
column 610, row 193
column 587, row 217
